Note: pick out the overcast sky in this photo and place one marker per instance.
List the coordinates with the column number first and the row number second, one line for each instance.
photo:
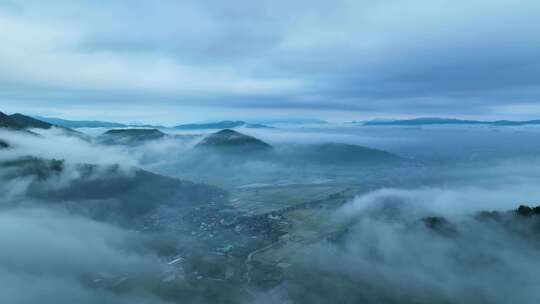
column 184, row 61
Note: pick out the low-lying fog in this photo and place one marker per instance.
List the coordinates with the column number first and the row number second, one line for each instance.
column 425, row 142
column 54, row 253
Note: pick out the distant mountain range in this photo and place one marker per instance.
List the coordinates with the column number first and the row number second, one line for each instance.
column 226, row 124
column 19, row 121
column 448, row 121
column 231, row 144
column 291, row 121
column 80, row 123
column 90, row 123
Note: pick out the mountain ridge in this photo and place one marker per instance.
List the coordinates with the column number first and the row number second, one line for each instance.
column 232, row 140
column 448, row 121
column 130, row 136
column 224, row 124
column 19, row 121
column 91, row 123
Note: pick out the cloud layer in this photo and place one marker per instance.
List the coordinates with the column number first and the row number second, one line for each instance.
column 389, row 254
column 61, row 258
column 414, row 57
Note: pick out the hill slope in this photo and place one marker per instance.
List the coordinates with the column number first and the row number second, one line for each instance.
column 339, row 154
column 29, row 122
column 105, row 192
column 7, row 122
column 230, row 140
column 130, row 136
column 19, row 121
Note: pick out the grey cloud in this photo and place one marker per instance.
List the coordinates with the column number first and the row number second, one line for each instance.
column 359, row 56
column 388, row 255
column 56, row 256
